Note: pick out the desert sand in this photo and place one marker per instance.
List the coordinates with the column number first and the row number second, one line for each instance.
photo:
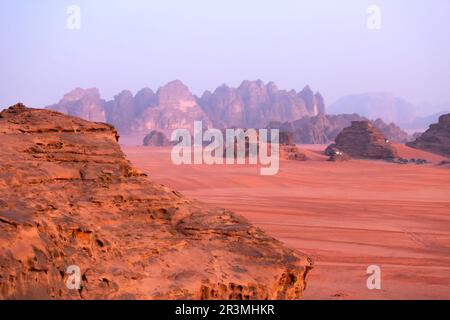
column 346, row 216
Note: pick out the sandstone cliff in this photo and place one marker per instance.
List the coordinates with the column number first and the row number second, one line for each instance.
column 69, row 197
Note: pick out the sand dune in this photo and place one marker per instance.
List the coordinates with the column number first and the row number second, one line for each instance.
column 347, row 216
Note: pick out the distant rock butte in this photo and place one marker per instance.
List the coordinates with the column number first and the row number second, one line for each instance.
column 69, row 197
column 156, row 139
column 363, row 140
column 323, row 129
column 436, row 139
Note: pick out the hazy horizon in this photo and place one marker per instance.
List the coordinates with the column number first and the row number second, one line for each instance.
column 135, row 44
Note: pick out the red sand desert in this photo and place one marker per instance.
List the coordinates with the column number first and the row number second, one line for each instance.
column 346, row 216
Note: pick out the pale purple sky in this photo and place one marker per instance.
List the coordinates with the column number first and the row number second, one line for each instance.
column 130, row 44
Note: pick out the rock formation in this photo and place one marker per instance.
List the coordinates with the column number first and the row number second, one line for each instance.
column 121, row 112
column 156, row 139
column 363, row 140
column 85, row 104
column 175, row 108
column 254, row 104
column 314, row 102
column 392, row 131
column 70, row 198
column 436, row 139
column 323, row 129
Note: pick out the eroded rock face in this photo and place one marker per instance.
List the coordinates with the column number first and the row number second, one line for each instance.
column 363, row 140
column 156, row 139
column 436, row 139
column 69, row 197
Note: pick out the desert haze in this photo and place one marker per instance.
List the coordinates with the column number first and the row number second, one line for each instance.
column 345, row 215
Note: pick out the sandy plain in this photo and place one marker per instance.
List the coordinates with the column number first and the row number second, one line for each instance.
column 345, row 216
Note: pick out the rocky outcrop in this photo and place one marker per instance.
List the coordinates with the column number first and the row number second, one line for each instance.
column 82, row 103
column 323, row 129
column 363, row 140
column 156, row 139
column 70, row 198
column 254, row 104
column 436, row 139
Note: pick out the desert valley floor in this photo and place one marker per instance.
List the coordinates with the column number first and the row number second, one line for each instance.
column 346, row 216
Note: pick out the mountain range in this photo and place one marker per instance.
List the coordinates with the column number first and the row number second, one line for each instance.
column 252, row 104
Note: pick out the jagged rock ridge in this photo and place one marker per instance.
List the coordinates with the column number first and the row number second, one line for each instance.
column 69, row 197
column 252, row 105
